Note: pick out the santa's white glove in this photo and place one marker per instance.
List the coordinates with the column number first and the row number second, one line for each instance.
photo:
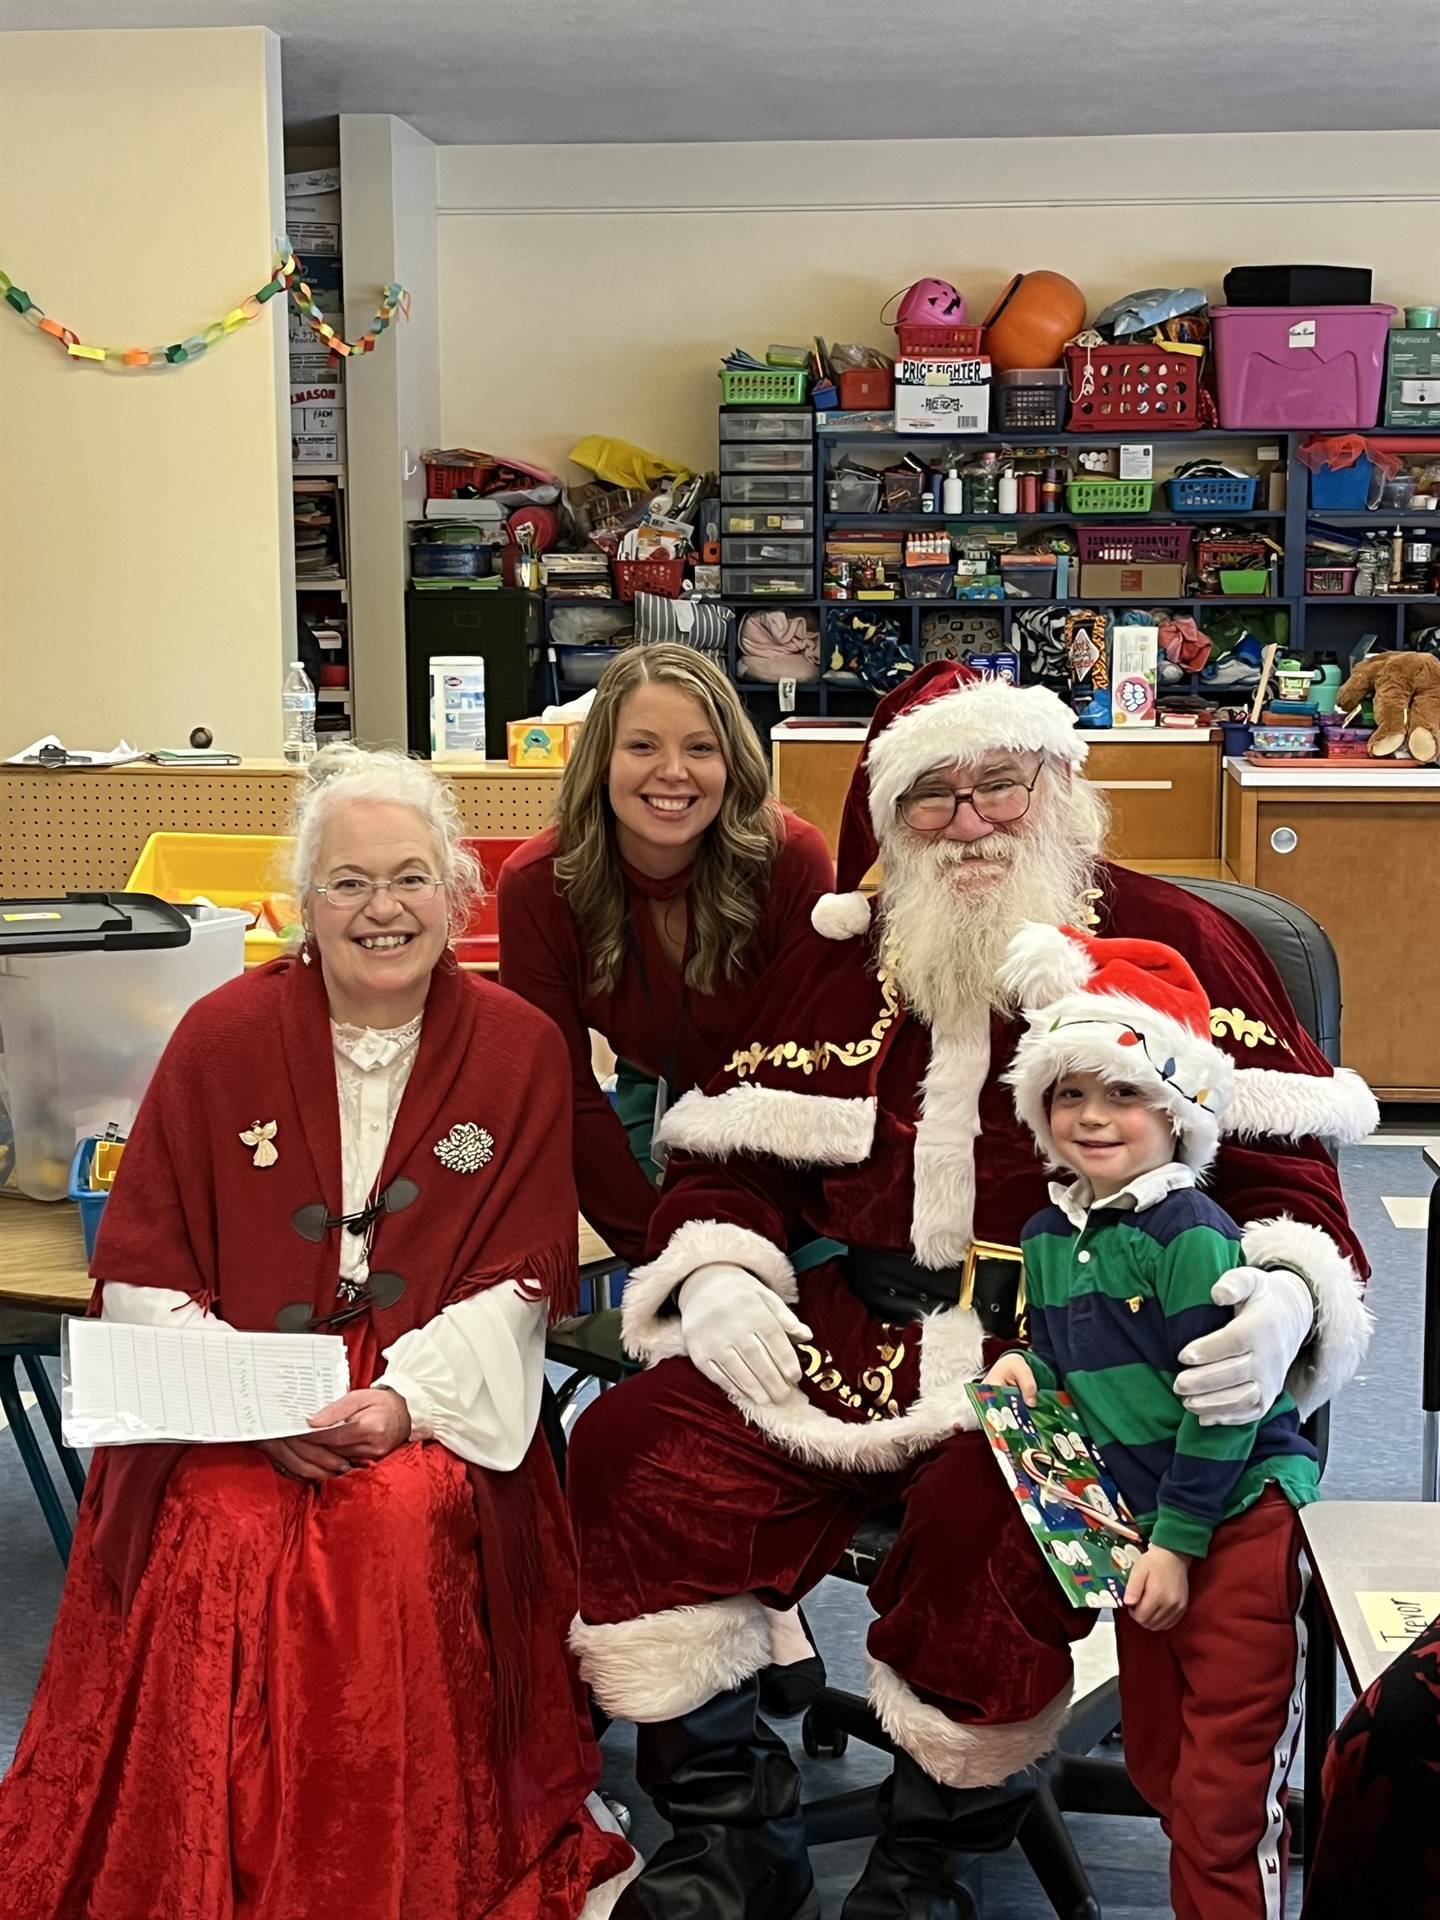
column 1236, row 1374
column 738, row 1333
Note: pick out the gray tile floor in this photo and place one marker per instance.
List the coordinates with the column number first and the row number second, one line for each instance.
column 1375, row 1454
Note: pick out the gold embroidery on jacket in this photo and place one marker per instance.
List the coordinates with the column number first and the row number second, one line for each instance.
column 878, row 1382
column 1249, row 1032
column 843, row 1053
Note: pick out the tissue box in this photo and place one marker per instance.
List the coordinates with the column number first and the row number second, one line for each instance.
column 1134, row 666
column 540, row 743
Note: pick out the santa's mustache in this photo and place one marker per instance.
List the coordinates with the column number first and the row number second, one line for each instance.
column 954, row 853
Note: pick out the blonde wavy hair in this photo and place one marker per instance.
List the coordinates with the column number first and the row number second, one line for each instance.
column 342, row 774
column 732, row 863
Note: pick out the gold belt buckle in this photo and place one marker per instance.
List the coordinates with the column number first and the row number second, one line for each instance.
column 991, row 1250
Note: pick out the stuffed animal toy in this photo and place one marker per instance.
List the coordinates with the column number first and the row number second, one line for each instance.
column 1405, row 691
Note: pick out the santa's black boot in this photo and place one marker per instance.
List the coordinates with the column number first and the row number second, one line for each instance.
column 730, row 1790
column 928, row 1834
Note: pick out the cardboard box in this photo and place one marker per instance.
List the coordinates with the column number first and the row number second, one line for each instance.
column 540, row 743
column 1137, row 462
column 1412, row 377
column 312, row 370
column 317, row 393
column 313, row 446
column 1153, row 580
column 947, row 409
column 299, row 186
column 311, row 237
column 926, row 370
column 1134, row 672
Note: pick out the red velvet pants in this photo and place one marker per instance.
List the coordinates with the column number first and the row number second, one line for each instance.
column 1211, row 1715
column 679, row 1502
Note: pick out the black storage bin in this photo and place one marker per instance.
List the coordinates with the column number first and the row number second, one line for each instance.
column 504, row 627
column 1298, row 287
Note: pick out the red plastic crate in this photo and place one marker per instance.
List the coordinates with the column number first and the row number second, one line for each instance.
column 480, row 942
column 941, row 343
column 1128, row 546
column 866, row 387
column 1133, row 386
column 443, row 481
column 665, row 577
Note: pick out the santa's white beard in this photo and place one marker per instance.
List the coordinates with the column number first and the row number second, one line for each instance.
column 946, row 927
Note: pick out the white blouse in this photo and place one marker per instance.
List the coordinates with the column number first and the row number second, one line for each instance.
column 472, row 1376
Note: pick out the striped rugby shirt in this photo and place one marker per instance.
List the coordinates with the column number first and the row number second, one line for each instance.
column 1114, row 1289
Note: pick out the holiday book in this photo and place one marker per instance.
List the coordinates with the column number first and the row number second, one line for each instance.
column 1068, row 1501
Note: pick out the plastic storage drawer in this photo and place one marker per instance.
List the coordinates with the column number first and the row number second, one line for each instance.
column 773, row 425
column 766, row 490
column 768, row 550
column 767, row 583
column 767, row 456
column 758, row 520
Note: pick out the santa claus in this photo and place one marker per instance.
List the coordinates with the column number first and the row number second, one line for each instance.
column 836, row 1239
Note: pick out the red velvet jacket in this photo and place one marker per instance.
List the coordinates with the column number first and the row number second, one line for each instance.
column 842, row 1115
column 542, row 956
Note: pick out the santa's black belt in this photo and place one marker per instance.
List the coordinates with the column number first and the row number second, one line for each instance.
column 990, row 1281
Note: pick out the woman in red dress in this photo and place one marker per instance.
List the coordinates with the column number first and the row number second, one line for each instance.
column 670, row 882
column 327, row 1675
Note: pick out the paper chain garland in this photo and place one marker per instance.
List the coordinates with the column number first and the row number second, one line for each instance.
column 285, row 276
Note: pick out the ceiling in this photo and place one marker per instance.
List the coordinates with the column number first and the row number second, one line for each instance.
column 520, row 71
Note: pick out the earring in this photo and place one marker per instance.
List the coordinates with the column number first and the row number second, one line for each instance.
column 305, row 949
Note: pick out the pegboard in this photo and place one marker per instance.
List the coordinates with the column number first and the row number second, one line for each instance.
column 77, row 830
column 503, row 801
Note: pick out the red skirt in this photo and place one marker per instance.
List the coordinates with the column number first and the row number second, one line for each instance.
column 296, row 1718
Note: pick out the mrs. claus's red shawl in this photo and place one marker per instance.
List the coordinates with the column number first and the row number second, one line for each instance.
column 191, row 1210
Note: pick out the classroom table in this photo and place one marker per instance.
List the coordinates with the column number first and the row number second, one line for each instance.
column 1354, row 1547
column 43, row 1276
column 43, row 1266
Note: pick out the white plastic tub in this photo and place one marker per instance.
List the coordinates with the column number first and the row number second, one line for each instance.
column 80, row 1035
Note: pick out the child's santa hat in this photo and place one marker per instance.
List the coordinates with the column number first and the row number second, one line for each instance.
column 942, row 716
column 1133, row 1010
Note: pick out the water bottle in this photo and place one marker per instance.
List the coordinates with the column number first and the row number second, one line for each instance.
column 297, row 707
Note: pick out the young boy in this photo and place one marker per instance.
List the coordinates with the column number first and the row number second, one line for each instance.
column 1119, row 1081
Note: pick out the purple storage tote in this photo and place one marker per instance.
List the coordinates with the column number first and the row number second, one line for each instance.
column 1300, row 366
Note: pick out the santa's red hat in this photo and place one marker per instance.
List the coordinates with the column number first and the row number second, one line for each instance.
column 1128, row 1010
column 942, row 716
column 1133, row 1010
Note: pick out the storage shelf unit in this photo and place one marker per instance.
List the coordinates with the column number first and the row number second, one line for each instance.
column 1315, row 623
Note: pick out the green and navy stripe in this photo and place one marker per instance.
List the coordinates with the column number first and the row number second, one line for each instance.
column 1110, row 1306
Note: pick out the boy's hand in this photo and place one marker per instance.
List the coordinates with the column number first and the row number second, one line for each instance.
column 1158, row 1590
column 1013, row 1370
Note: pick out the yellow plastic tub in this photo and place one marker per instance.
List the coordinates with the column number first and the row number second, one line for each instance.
column 246, row 870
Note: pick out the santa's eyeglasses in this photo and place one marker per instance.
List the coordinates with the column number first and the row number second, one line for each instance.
column 998, row 802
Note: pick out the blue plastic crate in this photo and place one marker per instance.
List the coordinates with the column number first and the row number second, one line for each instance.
column 90, row 1203
column 1342, row 489
column 1213, row 493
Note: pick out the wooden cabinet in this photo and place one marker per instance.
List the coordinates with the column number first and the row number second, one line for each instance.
column 1164, row 797
column 1164, row 794
column 1360, row 859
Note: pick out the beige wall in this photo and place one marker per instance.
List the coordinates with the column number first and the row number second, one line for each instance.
column 393, row 405
column 146, row 568
column 594, row 289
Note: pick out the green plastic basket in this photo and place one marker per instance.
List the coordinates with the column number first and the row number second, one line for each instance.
column 764, row 387
column 1109, row 496
column 1251, row 581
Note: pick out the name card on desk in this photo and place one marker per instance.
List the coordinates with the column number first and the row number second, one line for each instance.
column 1397, row 1619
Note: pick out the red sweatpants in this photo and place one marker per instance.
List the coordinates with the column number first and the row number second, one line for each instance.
column 1210, row 1713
